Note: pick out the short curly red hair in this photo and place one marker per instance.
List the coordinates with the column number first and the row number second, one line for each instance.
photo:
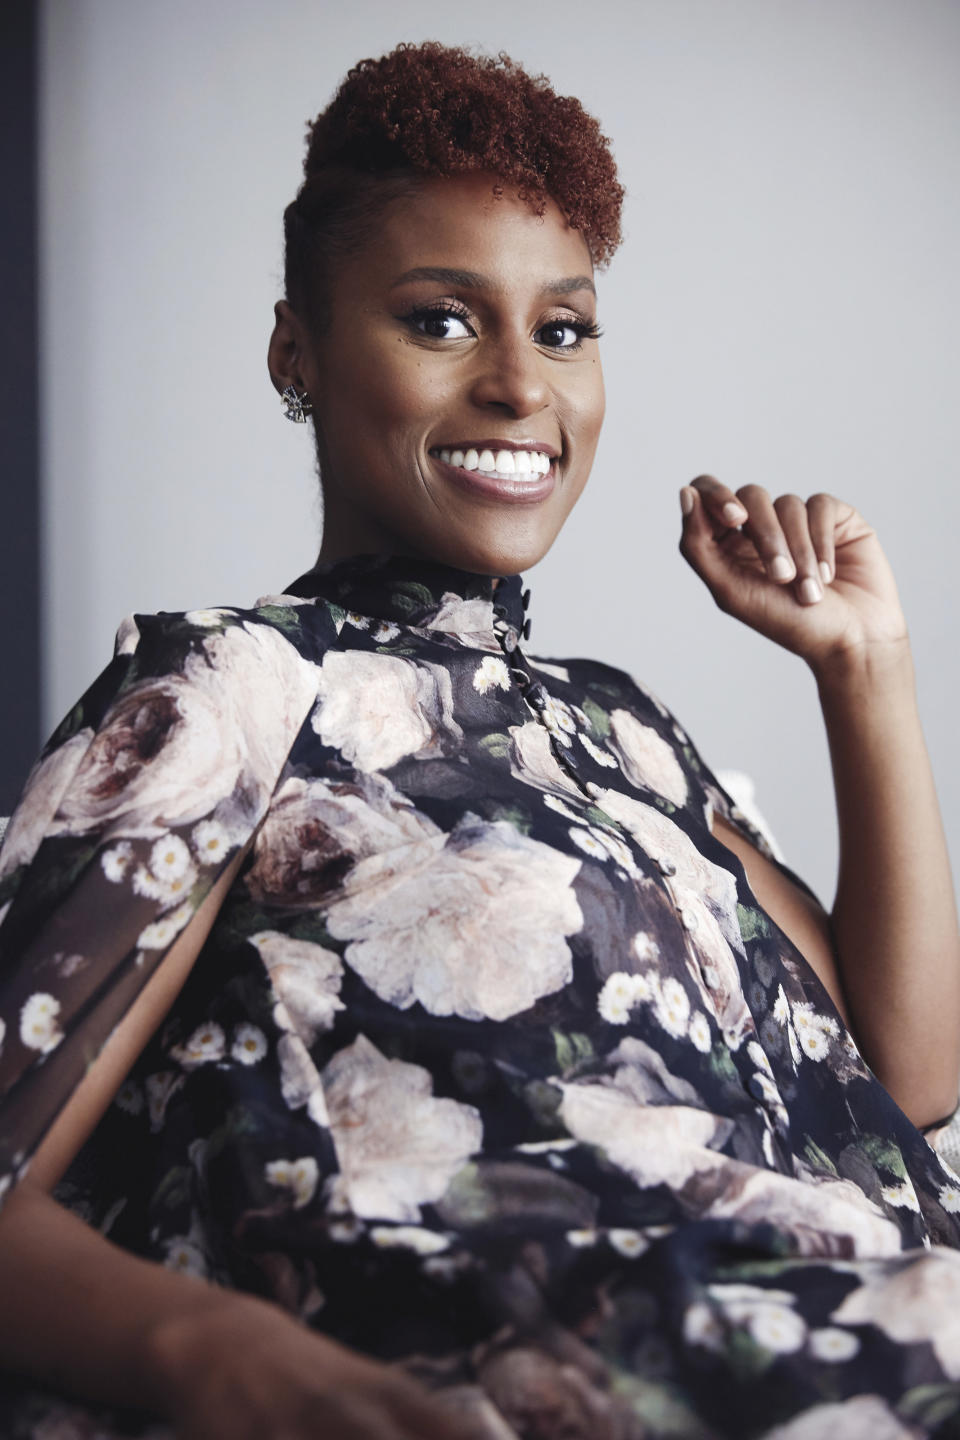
column 432, row 109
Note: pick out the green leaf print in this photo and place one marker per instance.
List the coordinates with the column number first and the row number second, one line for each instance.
column 284, row 617
column 599, row 719
column 818, row 1159
column 754, row 925
column 927, row 1405
column 71, row 723
column 496, row 744
column 514, row 815
column 721, row 1063
column 412, row 596
column 884, row 1154
column 571, row 1050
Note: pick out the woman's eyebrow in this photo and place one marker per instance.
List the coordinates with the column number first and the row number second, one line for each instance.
column 473, row 280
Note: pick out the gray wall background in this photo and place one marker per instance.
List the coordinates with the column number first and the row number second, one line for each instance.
column 786, row 310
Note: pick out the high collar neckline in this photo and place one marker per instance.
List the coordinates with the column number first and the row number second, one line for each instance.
column 411, row 591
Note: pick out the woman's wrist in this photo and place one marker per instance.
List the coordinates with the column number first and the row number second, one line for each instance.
column 182, row 1343
column 866, row 671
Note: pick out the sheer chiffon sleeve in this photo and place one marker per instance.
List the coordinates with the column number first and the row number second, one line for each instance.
column 151, row 784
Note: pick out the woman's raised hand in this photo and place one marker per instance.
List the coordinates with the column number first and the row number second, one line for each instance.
column 245, row 1370
column 809, row 574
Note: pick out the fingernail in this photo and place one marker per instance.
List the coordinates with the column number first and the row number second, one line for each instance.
column 686, row 500
column 810, row 591
column 733, row 513
column 781, row 568
column 826, row 574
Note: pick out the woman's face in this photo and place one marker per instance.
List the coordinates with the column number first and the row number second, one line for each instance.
column 457, row 391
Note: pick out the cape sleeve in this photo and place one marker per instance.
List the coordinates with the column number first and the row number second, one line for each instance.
column 148, row 788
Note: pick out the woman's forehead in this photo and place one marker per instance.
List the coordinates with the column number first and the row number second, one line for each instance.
column 471, row 232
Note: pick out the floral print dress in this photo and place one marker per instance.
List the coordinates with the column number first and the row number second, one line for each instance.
column 491, row 1065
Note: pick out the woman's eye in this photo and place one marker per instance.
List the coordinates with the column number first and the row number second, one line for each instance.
column 440, row 324
column 564, row 334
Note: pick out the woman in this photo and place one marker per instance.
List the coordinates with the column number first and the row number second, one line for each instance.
column 459, row 1026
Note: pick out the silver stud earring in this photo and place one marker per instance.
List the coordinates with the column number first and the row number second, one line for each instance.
column 295, row 407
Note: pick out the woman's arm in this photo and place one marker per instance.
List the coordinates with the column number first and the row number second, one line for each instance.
column 89, row 1318
column 812, row 576
column 93, row 1320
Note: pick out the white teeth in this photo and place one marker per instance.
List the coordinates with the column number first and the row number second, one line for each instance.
column 532, row 463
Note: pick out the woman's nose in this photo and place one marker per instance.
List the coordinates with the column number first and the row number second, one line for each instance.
column 511, row 377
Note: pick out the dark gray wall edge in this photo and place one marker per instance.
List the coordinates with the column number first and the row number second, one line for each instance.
column 19, row 410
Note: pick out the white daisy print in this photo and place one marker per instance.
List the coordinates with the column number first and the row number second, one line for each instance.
column 781, row 1007
column 833, row 1344
column 620, row 992
column 602, row 757
column 588, row 843
column 211, row 841
column 299, row 1176
column 409, row 1237
column 249, row 1044
column 165, row 930
column 561, row 714
column 170, row 858
column 346, row 1231
column 777, row 1328
column 580, row 1239
column 186, row 1257
column 38, row 1023
column 385, row 631
column 903, row 1196
column 207, row 1043
column 490, row 674
column 628, row 1242
column 672, row 1007
column 950, row 1198
column 644, row 946
column 699, row 1032
column 813, row 1042
column 758, row 1056
column 561, row 807
column 795, row 1051
column 208, row 618
column 115, row 862
column 162, row 888
column 702, row 1326
column 805, row 1017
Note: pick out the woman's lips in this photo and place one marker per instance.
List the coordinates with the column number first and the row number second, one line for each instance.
column 514, row 473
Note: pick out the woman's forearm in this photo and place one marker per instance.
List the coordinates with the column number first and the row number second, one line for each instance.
column 894, row 918
column 79, row 1313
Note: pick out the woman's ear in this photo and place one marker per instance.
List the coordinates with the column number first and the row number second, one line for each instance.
column 288, row 357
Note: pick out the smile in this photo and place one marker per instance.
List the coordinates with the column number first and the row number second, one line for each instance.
column 518, row 464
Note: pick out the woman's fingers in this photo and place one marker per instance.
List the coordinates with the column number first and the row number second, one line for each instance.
column 824, row 514
column 792, row 514
column 792, row 539
column 721, row 503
